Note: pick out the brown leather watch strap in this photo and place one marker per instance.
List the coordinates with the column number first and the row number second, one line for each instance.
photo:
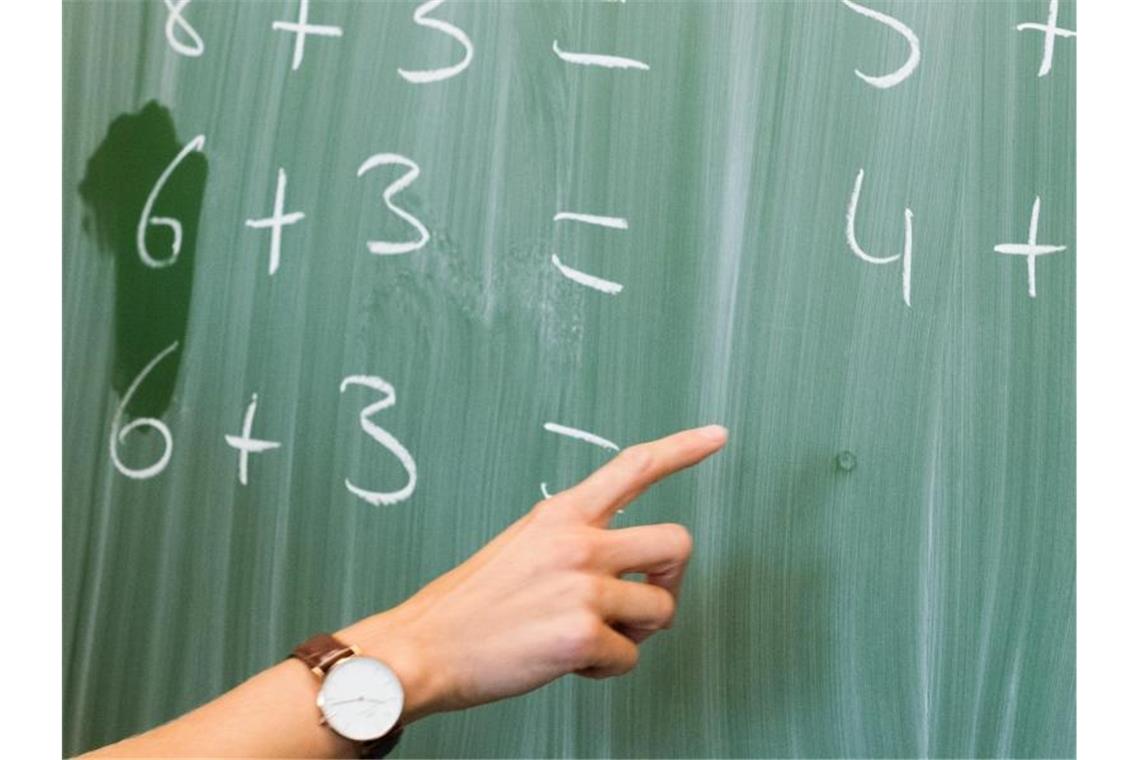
column 378, row 748
column 322, row 651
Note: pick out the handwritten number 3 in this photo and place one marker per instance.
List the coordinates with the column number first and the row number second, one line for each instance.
column 383, row 247
column 384, row 438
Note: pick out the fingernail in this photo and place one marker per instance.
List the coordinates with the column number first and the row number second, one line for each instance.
column 714, row 432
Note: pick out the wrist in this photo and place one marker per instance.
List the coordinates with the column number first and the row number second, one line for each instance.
column 384, row 637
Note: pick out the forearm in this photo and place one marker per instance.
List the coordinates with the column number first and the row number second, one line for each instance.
column 544, row 598
column 274, row 713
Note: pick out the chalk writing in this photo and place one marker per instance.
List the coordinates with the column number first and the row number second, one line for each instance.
column 175, row 226
column 246, row 444
column 384, row 438
column 581, row 435
column 853, row 244
column 608, row 287
column 174, row 18
column 420, row 16
column 1052, row 32
column 899, row 75
column 276, row 222
column 301, row 27
column 118, row 435
column 385, row 248
column 1031, row 249
column 613, row 222
column 605, row 61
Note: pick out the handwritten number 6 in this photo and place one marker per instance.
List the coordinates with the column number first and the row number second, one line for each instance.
column 118, row 435
column 146, row 220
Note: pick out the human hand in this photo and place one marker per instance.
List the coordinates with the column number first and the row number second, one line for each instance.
column 545, row 597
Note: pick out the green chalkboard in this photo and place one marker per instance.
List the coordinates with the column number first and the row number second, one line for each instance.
column 822, row 240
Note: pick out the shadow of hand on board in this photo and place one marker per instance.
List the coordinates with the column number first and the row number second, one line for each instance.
column 152, row 281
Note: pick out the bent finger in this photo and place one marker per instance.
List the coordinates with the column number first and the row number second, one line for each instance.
column 645, row 549
column 614, row 655
column 636, row 604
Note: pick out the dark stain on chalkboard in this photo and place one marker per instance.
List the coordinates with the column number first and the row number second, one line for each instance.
column 151, row 305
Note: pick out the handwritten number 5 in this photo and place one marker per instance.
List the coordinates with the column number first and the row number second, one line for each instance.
column 420, row 16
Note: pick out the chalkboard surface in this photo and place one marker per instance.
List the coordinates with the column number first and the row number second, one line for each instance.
column 414, row 264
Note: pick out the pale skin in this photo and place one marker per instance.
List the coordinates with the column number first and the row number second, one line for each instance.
column 545, row 598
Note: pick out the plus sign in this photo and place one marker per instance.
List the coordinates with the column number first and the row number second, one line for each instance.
column 1030, row 250
column 247, row 445
column 276, row 222
column 1052, row 32
column 302, row 27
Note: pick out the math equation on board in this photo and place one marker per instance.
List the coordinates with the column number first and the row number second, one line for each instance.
column 184, row 40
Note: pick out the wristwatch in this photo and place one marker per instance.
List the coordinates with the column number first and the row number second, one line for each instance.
column 360, row 699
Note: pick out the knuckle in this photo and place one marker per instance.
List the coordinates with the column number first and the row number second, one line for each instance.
column 668, row 609
column 637, row 458
column 579, row 640
column 548, row 508
column 680, row 537
column 590, row 589
column 631, row 659
column 575, row 551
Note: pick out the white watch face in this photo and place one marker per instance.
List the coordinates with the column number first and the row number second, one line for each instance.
column 361, row 698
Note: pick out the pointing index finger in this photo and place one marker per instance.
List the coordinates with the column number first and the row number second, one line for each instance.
column 634, row 469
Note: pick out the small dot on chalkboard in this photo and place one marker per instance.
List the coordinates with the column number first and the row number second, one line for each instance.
column 846, row 461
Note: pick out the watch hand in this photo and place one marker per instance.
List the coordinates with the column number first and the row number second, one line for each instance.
column 373, row 701
column 359, row 699
column 344, row 701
